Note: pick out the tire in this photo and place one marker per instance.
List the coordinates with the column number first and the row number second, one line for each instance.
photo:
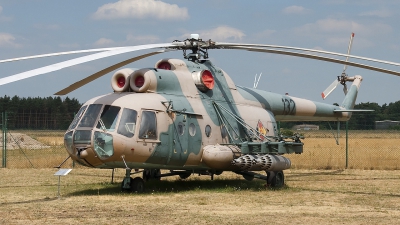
column 276, row 179
column 137, row 185
column 151, row 174
column 184, row 176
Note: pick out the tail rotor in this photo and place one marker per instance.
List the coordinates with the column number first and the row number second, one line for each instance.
column 343, row 77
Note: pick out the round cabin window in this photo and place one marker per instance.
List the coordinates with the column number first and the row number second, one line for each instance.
column 208, row 130
column 192, row 129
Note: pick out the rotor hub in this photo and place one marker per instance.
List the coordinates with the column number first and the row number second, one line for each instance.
column 198, row 47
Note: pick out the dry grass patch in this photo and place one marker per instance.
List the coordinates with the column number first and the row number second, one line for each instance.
column 29, row 196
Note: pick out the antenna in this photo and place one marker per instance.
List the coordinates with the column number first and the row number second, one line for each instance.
column 256, row 81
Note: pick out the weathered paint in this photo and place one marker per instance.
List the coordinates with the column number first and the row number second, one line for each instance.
column 183, row 112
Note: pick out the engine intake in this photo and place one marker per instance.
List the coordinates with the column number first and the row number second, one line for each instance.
column 120, row 80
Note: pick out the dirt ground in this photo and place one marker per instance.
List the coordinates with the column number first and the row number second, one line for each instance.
column 30, row 196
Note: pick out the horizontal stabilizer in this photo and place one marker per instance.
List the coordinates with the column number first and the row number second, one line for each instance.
column 353, row 110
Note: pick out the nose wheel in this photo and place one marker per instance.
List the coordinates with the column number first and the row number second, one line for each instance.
column 132, row 184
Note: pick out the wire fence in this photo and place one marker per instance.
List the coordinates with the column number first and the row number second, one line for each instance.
column 369, row 149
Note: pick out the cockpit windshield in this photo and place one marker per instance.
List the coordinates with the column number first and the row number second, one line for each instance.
column 90, row 116
column 108, row 118
column 77, row 117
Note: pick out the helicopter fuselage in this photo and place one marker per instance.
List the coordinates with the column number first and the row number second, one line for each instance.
column 184, row 115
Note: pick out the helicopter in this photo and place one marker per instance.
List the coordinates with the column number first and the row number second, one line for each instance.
column 187, row 116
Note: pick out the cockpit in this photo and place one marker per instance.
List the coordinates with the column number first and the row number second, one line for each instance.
column 96, row 126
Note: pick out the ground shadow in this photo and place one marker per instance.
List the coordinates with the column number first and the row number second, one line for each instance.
column 165, row 186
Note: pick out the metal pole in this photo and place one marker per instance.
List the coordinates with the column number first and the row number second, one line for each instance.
column 59, row 178
column 4, row 130
column 347, row 144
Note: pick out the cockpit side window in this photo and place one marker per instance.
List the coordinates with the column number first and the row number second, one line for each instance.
column 148, row 125
column 127, row 123
column 90, row 116
column 108, row 118
column 77, row 117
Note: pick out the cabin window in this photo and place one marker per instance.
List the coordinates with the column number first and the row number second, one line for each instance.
column 148, row 125
column 181, row 128
column 82, row 137
column 77, row 118
column 68, row 142
column 90, row 116
column 127, row 123
column 103, row 144
column 192, row 129
column 208, row 130
column 108, row 118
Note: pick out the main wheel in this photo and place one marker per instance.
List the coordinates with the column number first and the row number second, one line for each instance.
column 150, row 174
column 184, row 175
column 275, row 179
column 137, row 185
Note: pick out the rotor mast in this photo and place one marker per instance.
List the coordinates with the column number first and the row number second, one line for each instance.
column 198, row 47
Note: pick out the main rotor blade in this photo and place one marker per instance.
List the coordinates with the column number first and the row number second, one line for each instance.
column 102, row 72
column 59, row 53
column 317, row 57
column 348, row 51
column 76, row 61
column 272, row 47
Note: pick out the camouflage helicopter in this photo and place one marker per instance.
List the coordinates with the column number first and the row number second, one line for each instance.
column 188, row 116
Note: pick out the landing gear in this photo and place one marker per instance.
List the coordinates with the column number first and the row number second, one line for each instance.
column 132, row 184
column 151, row 174
column 275, row 179
column 184, row 175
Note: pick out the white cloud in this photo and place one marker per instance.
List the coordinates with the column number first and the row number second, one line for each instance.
column 1, row 8
column 294, row 9
column 141, row 9
column 7, row 40
column 378, row 13
column 221, row 33
column 104, row 42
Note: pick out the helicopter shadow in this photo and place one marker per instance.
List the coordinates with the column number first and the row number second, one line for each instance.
column 179, row 186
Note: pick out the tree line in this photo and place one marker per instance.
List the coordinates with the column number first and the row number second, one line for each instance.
column 38, row 113
column 56, row 114
column 361, row 120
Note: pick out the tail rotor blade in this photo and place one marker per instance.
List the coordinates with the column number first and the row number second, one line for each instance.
column 329, row 90
column 345, row 89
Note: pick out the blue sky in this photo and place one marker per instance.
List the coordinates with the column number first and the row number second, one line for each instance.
column 30, row 27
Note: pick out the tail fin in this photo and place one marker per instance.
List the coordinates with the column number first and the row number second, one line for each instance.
column 351, row 96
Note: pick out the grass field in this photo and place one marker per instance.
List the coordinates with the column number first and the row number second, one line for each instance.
column 29, row 196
